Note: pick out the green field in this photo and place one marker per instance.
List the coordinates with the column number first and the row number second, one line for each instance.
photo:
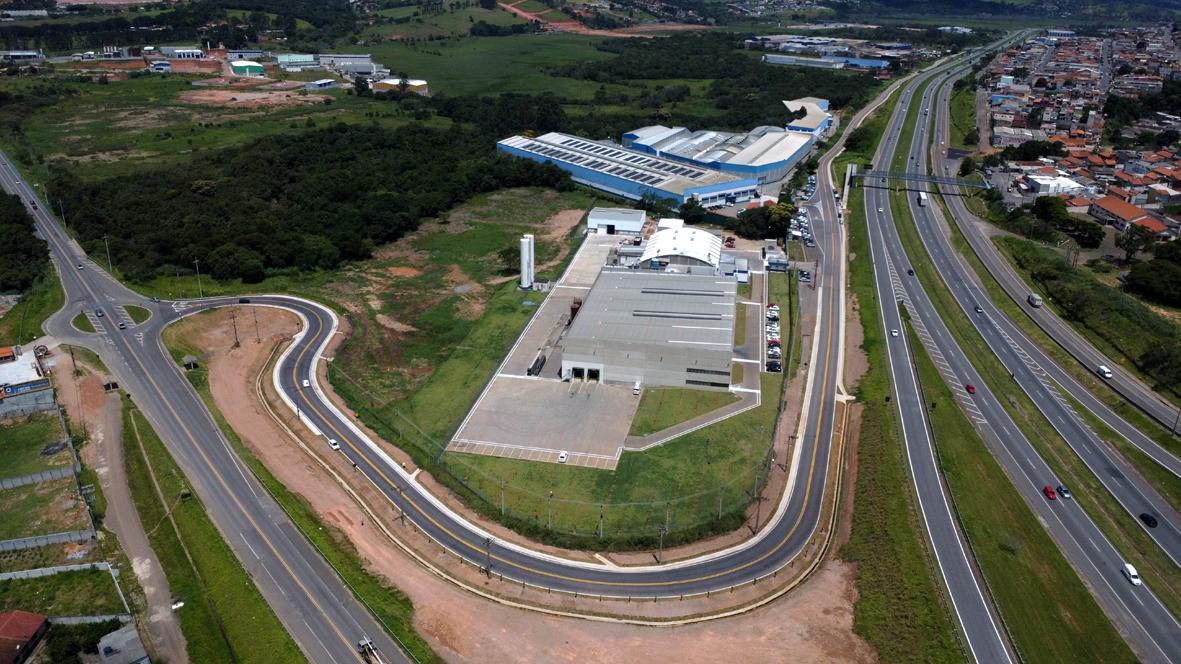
column 1047, row 609
column 900, row 608
column 224, row 617
column 82, row 322
column 22, row 323
column 21, row 442
column 85, row 593
column 661, row 408
column 962, row 115
column 41, row 509
column 454, row 22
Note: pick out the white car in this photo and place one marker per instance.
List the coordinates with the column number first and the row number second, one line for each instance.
column 562, row 456
column 1132, row 574
column 880, row 210
column 1102, row 370
column 893, row 333
column 334, row 445
column 307, row 383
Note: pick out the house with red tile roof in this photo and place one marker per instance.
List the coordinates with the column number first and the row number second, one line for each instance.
column 1117, row 212
column 19, row 633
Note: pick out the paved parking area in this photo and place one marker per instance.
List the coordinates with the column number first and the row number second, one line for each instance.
column 538, row 417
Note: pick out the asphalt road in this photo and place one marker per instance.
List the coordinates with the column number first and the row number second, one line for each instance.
column 312, row 602
column 1151, row 630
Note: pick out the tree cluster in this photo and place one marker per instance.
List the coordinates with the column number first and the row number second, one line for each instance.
column 1052, row 211
column 23, row 256
column 763, row 222
column 486, row 29
column 307, row 201
column 1031, row 150
column 1122, row 111
column 1159, row 279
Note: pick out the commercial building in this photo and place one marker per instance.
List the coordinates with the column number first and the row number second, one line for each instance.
column 122, row 646
column 1118, row 213
column 682, row 249
column 612, row 221
column 1052, row 186
column 654, row 329
column 333, row 60
column 322, row 84
column 22, row 57
column 797, row 61
column 20, row 631
column 246, row 68
column 180, row 52
column 816, row 119
column 632, row 174
column 244, row 54
column 766, row 153
column 296, row 61
column 415, row 85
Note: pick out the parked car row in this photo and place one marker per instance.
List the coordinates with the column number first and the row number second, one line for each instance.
column 774, row 345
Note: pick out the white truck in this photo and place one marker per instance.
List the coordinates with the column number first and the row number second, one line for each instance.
column 1034, row 299
column 923, row 198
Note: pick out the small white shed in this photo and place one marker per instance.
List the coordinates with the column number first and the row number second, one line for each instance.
column 615, row 221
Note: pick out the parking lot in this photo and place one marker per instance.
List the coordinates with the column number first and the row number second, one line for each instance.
column 538, row 417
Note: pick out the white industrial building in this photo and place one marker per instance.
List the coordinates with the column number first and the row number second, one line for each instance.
column 766, row 153
column 614, row 221
column 648, row 328
column 682, row 249
column 1044, row 185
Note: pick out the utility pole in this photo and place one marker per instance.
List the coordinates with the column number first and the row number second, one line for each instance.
column 488, row 556
column 110, row 267
column 180, row 294
column 660, row 554
column 200, row 291
column 257, row 336
column 549, row 511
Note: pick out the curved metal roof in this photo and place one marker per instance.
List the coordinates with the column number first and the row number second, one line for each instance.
column 691, row 242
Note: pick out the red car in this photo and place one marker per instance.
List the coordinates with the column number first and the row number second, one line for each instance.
column 1049, row 491
column 970, row 388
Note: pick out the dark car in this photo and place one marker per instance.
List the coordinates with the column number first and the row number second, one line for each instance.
column 775, row 366
column 979, row 309
column 98, row 313
column 1148, row 520
column 243, row 300
column 910, row 272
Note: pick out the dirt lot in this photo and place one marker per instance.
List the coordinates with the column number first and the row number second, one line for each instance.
column 813, row 624
column 244, row 99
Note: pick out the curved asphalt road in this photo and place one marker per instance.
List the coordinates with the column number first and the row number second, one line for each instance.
column 1151, row 630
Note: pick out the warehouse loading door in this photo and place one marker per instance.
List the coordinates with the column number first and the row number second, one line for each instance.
column 610, row 229
column 592, row 375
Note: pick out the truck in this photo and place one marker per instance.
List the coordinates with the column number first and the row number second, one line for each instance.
column 923, row 198
column 1034, row 299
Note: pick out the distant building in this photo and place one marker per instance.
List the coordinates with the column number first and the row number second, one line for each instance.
column 22, row 57
column 246, row 68
column 181, row 52
column 632, row 174
column 1054, row 32
column 766, row 153
column 23, row 386
column 1053, row 185
column 956, row 30
column 816, row 120
column 244, row 54
column 20, row 631
column 415, row 85
column 613, row 221
column 322, row 84
column 334, row 60
column 798, row 61
column 297, row 61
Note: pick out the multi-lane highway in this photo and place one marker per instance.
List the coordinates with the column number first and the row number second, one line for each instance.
column 1137, row 612
column 305, row 593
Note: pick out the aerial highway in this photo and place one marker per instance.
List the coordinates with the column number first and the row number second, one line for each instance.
column 1148, row 626
column 312, row 602
column 1131, row 388
column 1003, row 271
column 307, row 596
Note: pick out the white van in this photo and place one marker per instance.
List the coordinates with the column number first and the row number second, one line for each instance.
column 1102, row 370
column 1131, row 573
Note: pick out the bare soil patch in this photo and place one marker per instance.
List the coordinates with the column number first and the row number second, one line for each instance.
column 856, row 362
column 811, row 624
column 247, row 99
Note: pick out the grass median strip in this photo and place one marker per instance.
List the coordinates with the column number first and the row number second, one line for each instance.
column 22, row 323
column 224, row 617
column 898, row 609
column 82, row 322
column 1113, row 520
column 1046, row 608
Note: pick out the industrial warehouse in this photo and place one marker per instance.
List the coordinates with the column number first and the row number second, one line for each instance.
column 657, row 309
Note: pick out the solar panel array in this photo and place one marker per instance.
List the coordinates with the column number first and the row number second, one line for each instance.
column 612, row 161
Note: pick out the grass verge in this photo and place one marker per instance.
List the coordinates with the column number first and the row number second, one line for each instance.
column 661, row 408
column 1047, row 609
column 224, row 618
column 82, row 593
column 82, row 322
column 23, row 322
column 25, row 438
column 389, row 605
column 138, row 314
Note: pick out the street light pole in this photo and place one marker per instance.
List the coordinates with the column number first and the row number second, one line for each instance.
column 200, row 292
column 110, row 267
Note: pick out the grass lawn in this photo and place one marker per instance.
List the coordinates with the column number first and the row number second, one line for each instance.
column 41, row 509
column 740, row 325
column 82, row 322
column 963, row 116
column 48, row 556
column 23, row 322
column 1049, row 612
column 224, row 617
column 457, row 21
column 661, row 408
column 138, row 314
column 23, row 441
column 85, row 593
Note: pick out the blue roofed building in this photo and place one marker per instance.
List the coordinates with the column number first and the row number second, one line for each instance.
column 632, row 174
column 765, row 153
